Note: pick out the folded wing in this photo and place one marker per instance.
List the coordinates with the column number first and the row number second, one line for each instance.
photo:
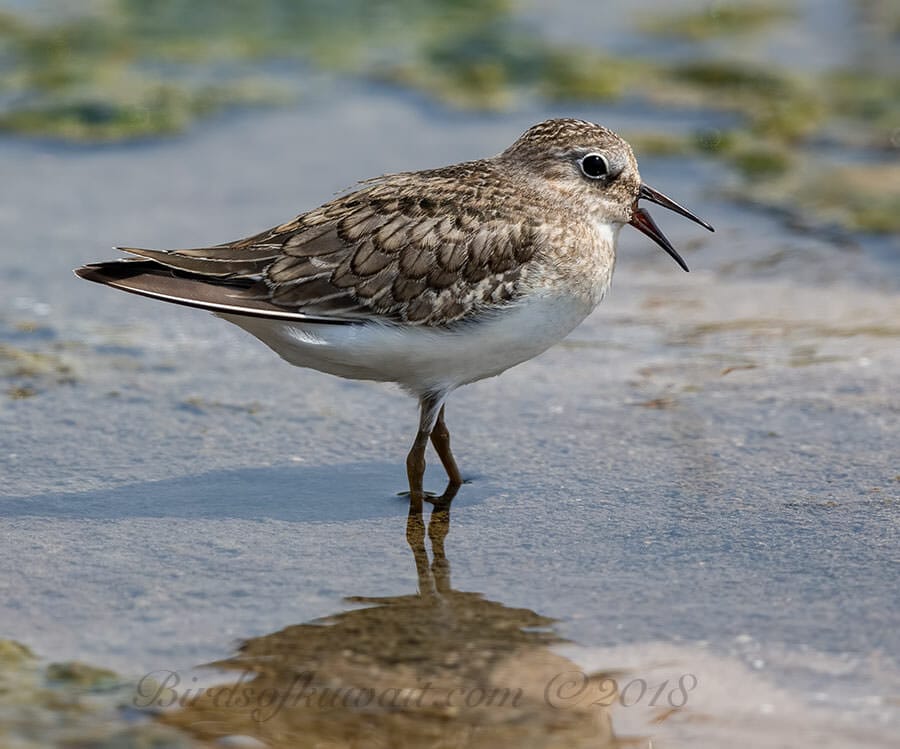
column 414, row 249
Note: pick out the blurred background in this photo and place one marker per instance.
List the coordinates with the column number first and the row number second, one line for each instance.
column 801, row 99
column 700, row 481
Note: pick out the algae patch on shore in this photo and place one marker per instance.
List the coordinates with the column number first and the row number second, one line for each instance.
column 27, row 372
column 71, row 704
column 717, row 20
column 127, row 69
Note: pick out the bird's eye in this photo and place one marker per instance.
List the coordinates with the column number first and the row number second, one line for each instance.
column 594, row 166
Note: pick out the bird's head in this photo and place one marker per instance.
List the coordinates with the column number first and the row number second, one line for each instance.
column 595, row 168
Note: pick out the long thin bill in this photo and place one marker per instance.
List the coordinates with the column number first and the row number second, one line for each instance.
column 654, row 196
column 642, row 222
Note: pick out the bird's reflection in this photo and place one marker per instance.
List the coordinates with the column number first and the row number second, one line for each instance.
column 437, row 668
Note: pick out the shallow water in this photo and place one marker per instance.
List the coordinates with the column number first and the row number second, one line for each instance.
column 698, row 485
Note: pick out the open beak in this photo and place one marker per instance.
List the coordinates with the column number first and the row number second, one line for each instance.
column 642, row 221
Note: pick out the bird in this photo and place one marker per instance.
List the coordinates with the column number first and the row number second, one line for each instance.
column 430, row 279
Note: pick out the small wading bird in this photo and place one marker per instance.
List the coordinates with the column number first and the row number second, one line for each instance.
column 430, row 279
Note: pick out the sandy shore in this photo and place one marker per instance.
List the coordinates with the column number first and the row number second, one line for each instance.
column 704, row 474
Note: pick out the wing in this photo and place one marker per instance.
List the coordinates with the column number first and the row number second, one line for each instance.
column 149, row 278
column 422, row 249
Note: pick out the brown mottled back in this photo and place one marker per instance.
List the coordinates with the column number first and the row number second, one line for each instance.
column 429, row 247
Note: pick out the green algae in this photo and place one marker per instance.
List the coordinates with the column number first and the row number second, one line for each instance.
column 589, row 77
column 14, row 654
column 775, row 104
column 81, row 675
column 661, row 144
column 16, row 362
column 126, row 69
column 21, row 392
column 869, row 100
column 717, row 20
column 31, row 372
column 72, row 705
column 92, row 79
column 760, row 161
column 146, row 108
column 863, row 197
column 139, row 68
column 779, row 328
column 753, row 157
column 200, row 405
column 784, row 115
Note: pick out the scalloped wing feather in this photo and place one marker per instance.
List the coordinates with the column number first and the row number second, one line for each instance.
column 421, row 249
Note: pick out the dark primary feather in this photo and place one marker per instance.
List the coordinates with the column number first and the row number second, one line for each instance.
column 425, row 248
column 149, row 278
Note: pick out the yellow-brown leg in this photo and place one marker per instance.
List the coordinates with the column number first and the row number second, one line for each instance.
column 415, row 466
column 429, row 408
column 440, row 438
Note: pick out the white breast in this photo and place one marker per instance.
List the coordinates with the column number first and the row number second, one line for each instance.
column 425, row 359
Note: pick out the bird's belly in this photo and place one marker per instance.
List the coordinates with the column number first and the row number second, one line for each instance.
column 419, row 358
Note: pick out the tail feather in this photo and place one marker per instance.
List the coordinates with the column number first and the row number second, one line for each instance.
column 216, row 262
column 150, row 278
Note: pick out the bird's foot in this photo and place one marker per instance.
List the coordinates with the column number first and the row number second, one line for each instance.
column 427, row 496
column 438, row 500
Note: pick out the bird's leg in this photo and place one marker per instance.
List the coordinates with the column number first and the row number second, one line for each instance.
column 415, row 466
column 429, row 407
column 440, row 438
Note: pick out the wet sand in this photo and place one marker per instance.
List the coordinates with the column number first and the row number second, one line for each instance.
column 701, row 480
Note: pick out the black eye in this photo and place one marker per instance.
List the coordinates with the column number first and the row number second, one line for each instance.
column 594, row 166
